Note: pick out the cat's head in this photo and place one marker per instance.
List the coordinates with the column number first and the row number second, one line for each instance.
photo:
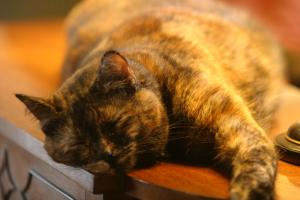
column 117, row 124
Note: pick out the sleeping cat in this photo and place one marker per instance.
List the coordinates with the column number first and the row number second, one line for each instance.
column 144, row 78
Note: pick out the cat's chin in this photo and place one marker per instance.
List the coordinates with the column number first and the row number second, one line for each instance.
column 99, row 167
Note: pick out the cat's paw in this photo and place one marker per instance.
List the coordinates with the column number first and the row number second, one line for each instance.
column 251, row 195
column 251, row 190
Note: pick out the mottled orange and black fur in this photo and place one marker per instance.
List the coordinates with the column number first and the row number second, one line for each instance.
column 146, row 77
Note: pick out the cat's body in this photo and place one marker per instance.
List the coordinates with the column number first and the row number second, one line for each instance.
column 201, row 67
column 228, row 44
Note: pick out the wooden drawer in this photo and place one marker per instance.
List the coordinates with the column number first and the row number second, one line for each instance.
column 24, row 176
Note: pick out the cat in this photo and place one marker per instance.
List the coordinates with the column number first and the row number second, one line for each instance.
column 148, row 78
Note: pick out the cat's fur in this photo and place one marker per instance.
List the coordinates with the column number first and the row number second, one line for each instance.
column 152, row 77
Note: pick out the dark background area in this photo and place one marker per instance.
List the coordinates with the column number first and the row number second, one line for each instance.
column 28, row 9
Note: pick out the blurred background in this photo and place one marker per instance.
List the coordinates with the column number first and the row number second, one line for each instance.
column 30, row 9
column 281, row 17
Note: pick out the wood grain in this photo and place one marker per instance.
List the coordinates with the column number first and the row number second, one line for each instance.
column 30, row 57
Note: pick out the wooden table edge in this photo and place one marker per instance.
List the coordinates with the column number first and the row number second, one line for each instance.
column 95, row 183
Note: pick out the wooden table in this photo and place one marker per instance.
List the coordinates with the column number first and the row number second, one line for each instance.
column 31, row 54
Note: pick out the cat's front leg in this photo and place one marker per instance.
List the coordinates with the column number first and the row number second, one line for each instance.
column 241, row 143
column 251, row 156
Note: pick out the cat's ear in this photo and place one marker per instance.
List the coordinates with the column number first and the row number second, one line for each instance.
column 39, row 107
column 114, row 67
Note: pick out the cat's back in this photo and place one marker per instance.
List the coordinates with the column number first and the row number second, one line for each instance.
column 220, row 31
column 104, row 15
column 207, row 24
column 223, row 42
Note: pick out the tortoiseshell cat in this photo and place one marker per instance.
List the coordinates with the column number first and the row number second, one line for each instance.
column 147, row 77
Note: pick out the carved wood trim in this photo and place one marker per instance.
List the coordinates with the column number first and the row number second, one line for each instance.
column 11, row 184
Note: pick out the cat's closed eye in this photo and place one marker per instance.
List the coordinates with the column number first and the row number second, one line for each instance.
column 118, row 139
column 108, row 127
column 115, row 134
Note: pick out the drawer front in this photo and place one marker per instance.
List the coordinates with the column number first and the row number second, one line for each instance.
column 37, row 186
column 24, row 177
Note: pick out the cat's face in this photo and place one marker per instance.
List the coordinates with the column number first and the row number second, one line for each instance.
column 117, row 125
